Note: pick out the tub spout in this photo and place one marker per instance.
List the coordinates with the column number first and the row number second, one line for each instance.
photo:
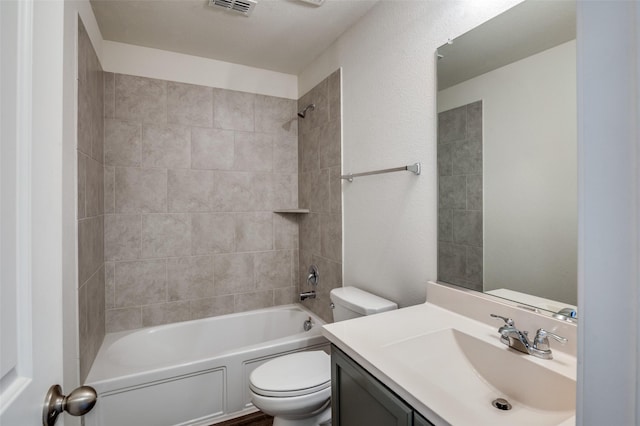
column 307, row 295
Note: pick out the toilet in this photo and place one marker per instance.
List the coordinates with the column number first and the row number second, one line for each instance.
column 296, row 389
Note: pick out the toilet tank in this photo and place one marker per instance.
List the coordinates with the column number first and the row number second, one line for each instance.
column 351, row 302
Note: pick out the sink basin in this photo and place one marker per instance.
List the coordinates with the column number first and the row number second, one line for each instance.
column 462, row 375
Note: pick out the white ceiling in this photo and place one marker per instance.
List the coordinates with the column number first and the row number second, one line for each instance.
column 280, row 35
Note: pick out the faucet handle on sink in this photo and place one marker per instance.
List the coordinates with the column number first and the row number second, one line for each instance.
column 507, row 321
column 541, row 341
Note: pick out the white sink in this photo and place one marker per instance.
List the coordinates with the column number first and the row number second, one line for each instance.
column 462, row 375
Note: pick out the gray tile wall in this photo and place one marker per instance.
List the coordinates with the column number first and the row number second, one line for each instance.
column 320, row 190
column 460, row 196
column 90, row 141
column 192, row 175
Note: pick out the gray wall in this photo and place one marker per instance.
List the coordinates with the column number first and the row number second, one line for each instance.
column 90, row 140
column 460, row 196
column 192, row 175
column 320, row 191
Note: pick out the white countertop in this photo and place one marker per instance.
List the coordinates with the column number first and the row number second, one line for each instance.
column 364, row 340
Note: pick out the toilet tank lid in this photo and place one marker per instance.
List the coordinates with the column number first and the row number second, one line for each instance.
column 361, row 301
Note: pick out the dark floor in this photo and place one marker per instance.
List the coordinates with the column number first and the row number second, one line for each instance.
column 254, row 419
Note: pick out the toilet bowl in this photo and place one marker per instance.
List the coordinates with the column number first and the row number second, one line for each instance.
column 296, row 389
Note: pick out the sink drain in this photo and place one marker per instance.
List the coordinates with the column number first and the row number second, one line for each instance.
column 501, row 404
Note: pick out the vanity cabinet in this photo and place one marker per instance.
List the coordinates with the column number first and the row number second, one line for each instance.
column 418, row 420
column 359, row 399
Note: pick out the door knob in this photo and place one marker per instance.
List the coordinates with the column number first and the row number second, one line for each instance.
column 78, row 403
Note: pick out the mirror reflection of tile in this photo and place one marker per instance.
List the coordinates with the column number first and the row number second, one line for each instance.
column 460, row 196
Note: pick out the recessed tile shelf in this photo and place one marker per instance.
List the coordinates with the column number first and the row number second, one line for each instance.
column 292, row 211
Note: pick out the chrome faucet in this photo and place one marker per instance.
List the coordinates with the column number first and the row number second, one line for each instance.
column 312, row 279
column 519, row 340
column 307, row 295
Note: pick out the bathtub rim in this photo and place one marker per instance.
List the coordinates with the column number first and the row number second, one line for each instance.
column 103, row 382
column 116, row 335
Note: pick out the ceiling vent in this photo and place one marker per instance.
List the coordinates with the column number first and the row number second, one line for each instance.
column 241, row 6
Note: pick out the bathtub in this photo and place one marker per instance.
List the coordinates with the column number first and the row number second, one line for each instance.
column 194, row 372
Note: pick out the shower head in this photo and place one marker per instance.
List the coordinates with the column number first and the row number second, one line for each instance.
column 303, row 113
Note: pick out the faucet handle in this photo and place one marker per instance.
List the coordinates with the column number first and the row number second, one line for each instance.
column 313, row 276
column 541, row 341
column 506, row 320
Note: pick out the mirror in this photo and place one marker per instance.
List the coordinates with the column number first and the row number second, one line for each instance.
column 507, row 157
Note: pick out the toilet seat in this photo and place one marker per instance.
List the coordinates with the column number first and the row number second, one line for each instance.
column 297, row 374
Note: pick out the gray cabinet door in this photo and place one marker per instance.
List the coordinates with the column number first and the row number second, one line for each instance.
column 418, row 420
column 359, row 399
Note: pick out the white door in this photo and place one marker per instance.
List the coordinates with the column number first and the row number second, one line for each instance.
column 30, row 233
